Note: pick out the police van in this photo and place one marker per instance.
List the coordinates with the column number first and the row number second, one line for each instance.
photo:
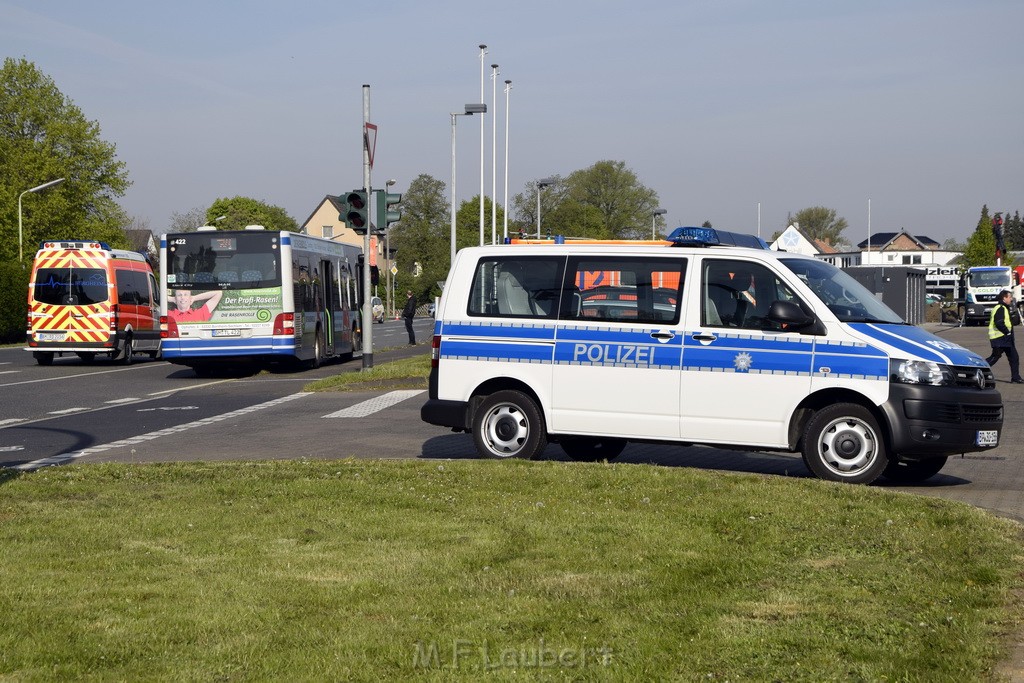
column 86, row 298
column 707, row 338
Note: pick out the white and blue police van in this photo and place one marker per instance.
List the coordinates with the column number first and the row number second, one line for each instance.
column 707, row 338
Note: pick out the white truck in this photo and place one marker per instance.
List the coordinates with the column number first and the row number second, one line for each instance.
column 982, row 285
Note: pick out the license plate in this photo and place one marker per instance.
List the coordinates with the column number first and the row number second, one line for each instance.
column 987, row 437
column 227, row 333
column 50, row 336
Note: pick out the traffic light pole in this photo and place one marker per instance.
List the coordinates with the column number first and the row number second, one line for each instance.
column 366, row 319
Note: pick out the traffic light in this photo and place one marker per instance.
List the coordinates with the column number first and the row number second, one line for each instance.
column 355, row 211
column 387, row 209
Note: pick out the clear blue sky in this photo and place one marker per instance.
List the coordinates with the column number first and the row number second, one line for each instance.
column 916, row 105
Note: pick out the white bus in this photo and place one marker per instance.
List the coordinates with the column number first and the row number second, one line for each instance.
column 257, row 295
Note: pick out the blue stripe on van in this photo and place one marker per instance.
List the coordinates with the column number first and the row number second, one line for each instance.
column 918, row 343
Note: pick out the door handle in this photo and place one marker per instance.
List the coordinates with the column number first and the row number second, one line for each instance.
column 666, row 336
column 701, row 337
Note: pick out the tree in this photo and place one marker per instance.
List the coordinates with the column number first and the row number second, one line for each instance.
column 239, row 212
column 980, row 249
column 820, row 223
column 467, row 224
column 187, row 221
column 422, row 236
column 1014, row 232
column 624, row 205
column 43, row 137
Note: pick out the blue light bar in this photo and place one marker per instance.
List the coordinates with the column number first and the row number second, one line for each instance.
column 706, row 237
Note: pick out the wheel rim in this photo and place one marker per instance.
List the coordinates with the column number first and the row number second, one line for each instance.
column 505, row 430
column 848, row 446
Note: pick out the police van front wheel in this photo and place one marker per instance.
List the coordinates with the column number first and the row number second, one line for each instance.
column 843, row 443
column 508, row 424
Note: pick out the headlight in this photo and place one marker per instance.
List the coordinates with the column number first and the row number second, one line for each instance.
column 970, row 298
column 921, row 372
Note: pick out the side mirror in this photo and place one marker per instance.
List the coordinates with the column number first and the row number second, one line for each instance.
column 789, row 315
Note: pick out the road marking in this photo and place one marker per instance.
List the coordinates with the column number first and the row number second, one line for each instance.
column 67, row 411
column 122, row 400
column 150, row 410
column 11, row 421
column 177, row 429
column 376, row 404
column 9, row 372
column 84, row 374
column 8, row 449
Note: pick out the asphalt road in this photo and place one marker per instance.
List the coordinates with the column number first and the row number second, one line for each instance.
column 269, row 417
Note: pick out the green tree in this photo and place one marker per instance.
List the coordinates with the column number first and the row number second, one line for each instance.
column 1014, row 232
column 467, row 224
column 820, row 223
column 624, row 205
column 187, row 221
column 980, row 249
column 423, row 237
column 239, row 212
column 43, row 137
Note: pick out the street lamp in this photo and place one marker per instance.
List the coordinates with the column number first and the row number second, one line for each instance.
column 508, row 86
column 494, row 154
column 470, row 110
column 654, row 220
column 37, row 188
column 483, row 52
column 542, row 183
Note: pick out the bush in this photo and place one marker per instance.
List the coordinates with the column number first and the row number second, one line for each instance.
column 13, row 301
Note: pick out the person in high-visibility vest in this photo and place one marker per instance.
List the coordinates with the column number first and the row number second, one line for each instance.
column 1000, row 336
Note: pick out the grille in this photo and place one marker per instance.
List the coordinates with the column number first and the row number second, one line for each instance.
column 965, row 377
column 974, row 414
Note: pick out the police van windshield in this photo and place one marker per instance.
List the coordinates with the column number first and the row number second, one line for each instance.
column 851, row 301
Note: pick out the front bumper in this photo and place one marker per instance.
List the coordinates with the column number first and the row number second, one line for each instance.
column 928, row 421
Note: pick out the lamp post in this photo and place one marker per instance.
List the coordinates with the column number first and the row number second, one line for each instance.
column 542, row 183
column 470, row 110
column 37, row 188
column 654, row 221
column 508, row 86
column 494, row 154
column 483, row 53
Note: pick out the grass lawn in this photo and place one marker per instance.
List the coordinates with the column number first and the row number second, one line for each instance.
column 429, row 570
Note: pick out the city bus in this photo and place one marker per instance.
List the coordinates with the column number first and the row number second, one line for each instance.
column 257, row 296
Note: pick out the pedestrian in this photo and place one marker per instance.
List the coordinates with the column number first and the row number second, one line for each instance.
column 1000, row 335
column 408, row 313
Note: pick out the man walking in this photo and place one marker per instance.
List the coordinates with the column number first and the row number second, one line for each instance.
column 409, row 312
column 1000, row 335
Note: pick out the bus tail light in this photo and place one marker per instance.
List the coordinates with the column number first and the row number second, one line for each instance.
column 284, row 323
column 168, row 328
column 435, row 350
column 113, row 318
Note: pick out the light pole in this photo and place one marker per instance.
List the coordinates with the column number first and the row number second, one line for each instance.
column 494, row 154
column 542, row 183
column 508, row 86
column 483, row 53
column 470, row 110
column 37, row 188
column 654, row 221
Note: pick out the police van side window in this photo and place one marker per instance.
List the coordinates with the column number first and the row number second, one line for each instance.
column 739, row 293
column 624, row 289
column 517, row 287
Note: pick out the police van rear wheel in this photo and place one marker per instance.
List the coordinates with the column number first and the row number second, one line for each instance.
column 508, row 425
column 591, row 449
column 843, row 443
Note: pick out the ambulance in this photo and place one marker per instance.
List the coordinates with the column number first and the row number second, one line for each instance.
column 706, row 338
column 87, row 299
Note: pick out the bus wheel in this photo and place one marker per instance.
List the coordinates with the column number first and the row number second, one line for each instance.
column 508, row 425
column 591, row 449
column 317, row 352
column 128, row 351
column 86, row 356
column 843, row 443
column 913, row 471
column 43, row 358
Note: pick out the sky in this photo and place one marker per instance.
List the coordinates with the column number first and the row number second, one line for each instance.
column 901, row 114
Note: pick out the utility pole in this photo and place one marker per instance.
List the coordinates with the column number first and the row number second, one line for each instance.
column 366, row 319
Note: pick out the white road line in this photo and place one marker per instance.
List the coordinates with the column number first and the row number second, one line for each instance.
column 67, row 411
column 84, row 374
column 9, row 372
column 11, row 421
column 376, row 404
column 177, row 429
column 122, row 400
